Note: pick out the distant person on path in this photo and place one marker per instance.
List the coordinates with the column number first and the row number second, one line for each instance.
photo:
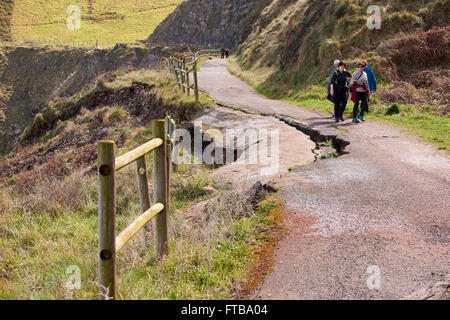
column 227, row 52
column 360, row 92
column 372, row 80
column 339, row 89
column 222, row 53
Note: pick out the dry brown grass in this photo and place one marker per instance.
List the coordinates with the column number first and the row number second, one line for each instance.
column 55, row 195
column 418, row 50
column 55, row 226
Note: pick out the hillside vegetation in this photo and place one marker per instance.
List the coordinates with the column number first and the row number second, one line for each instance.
column 285, row 49
column 48, row 202
column 110, row 21
column 32, row 76
column 302, row 38
column 290, row 53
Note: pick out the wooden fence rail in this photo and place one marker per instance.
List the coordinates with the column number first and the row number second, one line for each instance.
column 108, row 165
column 182, row 67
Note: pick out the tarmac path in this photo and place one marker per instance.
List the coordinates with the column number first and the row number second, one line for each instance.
column 381, row 208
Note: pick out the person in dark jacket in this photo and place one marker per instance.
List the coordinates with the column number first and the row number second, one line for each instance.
column 339, row 89
column 333, row 70
column 222, row 53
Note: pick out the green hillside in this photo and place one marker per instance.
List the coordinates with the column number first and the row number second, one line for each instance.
column 293, row 44
column 109, row 21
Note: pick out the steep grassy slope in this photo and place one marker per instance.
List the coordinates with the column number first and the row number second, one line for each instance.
column 110, row 20
column 290, row 53
column 302, row 38
column 32, row 76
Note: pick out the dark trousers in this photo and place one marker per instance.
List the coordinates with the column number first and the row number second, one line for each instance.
column 361, row 97
column 340, row 103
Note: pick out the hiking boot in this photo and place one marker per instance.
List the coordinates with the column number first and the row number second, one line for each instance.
column 361, row 118
column 342, row 118
column 336, row 119
column 355, row 120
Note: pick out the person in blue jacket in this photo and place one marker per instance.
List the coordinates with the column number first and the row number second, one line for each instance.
column 372, row 80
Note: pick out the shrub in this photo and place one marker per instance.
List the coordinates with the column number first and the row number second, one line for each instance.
column 393, row 109
column 189, row 189
column 341, row 11
column 116, row 115
column 56, row 167
column 56, row 196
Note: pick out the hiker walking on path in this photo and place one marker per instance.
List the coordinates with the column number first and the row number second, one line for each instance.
column 227, row 53
column 372, row 80
column 333, row 70
column 339, row 89
column 222, row 53
column 360, row 92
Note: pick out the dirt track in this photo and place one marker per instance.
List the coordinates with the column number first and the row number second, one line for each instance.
column 386, row 203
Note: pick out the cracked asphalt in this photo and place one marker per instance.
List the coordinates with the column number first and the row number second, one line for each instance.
column 386, row 203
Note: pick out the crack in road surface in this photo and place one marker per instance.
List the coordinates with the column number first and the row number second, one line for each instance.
column 385, row 204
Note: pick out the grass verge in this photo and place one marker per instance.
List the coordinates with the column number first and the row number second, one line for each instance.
column 209, row 254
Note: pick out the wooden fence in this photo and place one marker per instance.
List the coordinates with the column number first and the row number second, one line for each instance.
column 181, row 67
column 108, row 165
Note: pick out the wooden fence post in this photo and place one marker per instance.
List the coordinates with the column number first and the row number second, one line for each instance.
column 184, row 74
column 195, row 82
column 106, row 220
column 177, row 73
column 168, row 127
column 172, row 127
column 142, row 179
column 159, row 193
column 188, row 89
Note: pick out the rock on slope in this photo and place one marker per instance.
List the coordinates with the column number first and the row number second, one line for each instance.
column 215, row 23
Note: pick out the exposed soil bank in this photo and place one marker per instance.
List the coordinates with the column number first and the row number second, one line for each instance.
column 30, row 77
column 114, row 113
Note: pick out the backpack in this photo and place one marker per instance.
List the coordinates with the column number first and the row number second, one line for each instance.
column 351, row 86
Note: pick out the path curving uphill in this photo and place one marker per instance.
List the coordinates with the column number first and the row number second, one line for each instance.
column 382, row 208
